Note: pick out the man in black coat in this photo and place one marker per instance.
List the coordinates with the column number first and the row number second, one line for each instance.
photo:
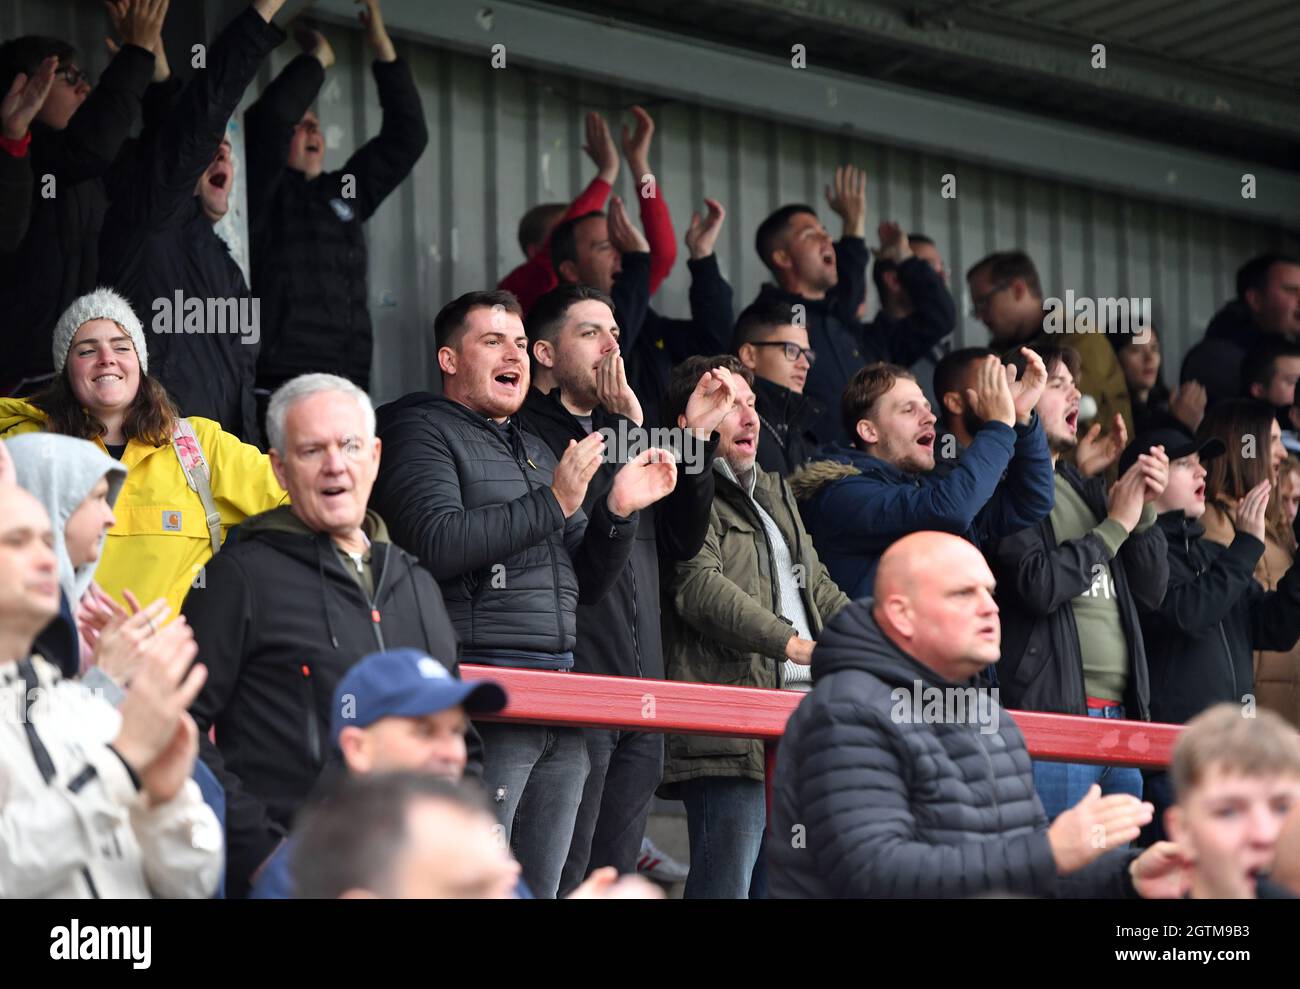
column 898, row 777
column 915, row 301
column 159, row 247
column 652, row 344
column 75, row 143
column 580, row 386
column 1070, row 587
column 1267, row 305
column 499, row 523
column 19, row 107
column 279, row 617
column 774, row 345
column 308, row 244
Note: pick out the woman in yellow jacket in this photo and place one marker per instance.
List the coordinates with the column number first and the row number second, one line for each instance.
column 102, row 392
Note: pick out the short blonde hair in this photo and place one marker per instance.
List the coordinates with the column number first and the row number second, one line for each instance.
column 1263, row 745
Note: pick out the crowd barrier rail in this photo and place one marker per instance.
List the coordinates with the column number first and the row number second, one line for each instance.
column 614, row 703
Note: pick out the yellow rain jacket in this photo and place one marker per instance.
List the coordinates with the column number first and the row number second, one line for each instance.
column 161, row 542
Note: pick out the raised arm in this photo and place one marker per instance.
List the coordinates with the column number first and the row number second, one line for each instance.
column 385, row 160
column 269, row 123
column 654, row 209
column 173, row 156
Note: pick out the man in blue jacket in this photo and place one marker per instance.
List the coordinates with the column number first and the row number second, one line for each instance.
column 859, row 500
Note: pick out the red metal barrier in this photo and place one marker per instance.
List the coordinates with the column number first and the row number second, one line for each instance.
column 578, row 699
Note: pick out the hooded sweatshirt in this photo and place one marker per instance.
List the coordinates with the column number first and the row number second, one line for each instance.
column 61, row 471
column 279, row 619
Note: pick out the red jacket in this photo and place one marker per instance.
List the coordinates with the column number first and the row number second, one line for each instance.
column 535, row 277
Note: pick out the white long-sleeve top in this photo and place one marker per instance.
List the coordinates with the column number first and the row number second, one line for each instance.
column 88, row 832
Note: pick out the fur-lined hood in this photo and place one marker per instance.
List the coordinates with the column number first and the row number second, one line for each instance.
column 811, row 477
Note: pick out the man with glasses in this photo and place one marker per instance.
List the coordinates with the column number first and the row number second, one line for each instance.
column 73, row 144
column 1007, row 297
column 770, row 343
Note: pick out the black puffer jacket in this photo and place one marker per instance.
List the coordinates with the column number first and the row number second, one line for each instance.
column 1038, row 579
column 884, row 807
column 1200, row 641
column 157, row 241
column 473, row 501
column 278, row 622
column 620, row 635
column 309, row 248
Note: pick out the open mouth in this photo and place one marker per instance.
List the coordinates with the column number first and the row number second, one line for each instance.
column 100, row 379
column 508, row 378
column 828, row 258
column 218, row 180
column 926, row 440
column 1072, row 420
column 333, row 492
column 745, row 443
column 314, row 149
column 1200, row 492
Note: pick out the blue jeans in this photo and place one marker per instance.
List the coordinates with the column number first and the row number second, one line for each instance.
column 725, row 819
column 1061, row 785
column 534, row 776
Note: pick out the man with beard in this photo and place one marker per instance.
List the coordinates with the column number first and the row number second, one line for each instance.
column 498, row 520
column 1007, row 296
column 581, row 387
column 859, row 500
column 1069, row 589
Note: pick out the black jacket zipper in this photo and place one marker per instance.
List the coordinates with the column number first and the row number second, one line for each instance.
column 520, row 455
column 313, row 721
column 375, row 615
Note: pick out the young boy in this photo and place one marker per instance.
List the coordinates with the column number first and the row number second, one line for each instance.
column 1236, row 778
column 1200, row 640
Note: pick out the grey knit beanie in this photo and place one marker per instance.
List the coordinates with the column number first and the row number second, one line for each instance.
column 103, row 303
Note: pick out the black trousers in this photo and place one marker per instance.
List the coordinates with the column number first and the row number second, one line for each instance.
column 626, row 767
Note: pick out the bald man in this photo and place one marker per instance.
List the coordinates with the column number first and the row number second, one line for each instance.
column 899, row 777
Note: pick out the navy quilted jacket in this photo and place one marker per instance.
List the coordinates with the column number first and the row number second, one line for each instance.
column 868, row 803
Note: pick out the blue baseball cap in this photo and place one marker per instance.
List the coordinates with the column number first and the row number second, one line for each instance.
column 405, row 683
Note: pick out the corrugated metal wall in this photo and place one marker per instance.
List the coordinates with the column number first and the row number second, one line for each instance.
column 503, row 140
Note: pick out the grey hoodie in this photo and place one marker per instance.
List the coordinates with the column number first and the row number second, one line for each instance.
column 60, row 471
